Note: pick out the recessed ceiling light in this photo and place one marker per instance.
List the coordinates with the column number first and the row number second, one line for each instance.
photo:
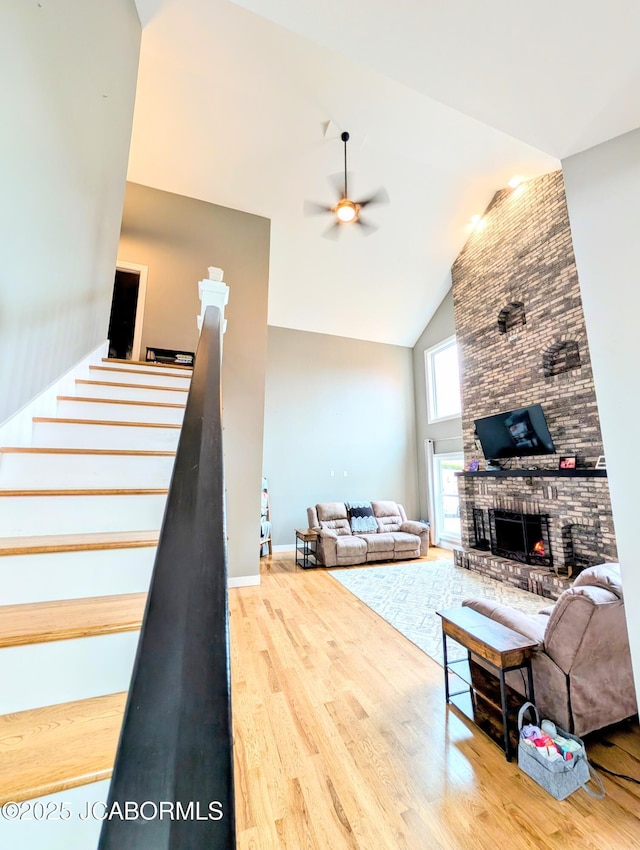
column 477, row 223
column 515, row 182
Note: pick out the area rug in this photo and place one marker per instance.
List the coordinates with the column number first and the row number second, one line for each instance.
column 408, row 595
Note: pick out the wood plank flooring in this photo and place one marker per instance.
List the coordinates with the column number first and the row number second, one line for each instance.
column 342, row 740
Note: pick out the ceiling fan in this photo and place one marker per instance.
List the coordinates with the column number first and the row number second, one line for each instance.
column 345, row 210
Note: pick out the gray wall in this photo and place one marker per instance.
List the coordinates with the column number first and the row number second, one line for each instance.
column 67, row 109
column 603, row 195
column 178, row 238
column 336, row 404
column 447, row 435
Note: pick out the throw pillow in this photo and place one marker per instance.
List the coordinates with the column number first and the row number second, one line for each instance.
column 361, row 518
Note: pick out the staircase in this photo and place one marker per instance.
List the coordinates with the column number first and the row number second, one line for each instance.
column 80, row 513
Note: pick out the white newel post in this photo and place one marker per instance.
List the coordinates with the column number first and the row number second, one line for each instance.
column 213, row 292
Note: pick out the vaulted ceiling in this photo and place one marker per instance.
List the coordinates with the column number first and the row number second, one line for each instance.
column 445, row 102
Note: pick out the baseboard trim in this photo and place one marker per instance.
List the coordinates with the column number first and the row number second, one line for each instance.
column 243, row 581
column 286, row 547
column 448, row 544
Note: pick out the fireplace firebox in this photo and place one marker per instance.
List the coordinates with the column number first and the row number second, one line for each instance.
column 521, row 537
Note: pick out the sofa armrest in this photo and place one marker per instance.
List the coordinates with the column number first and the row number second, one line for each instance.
column 410, row 526
column 326, row 548
column 413, row 527
column 531, row 627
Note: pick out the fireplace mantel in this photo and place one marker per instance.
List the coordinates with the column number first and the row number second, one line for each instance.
column 535, row 473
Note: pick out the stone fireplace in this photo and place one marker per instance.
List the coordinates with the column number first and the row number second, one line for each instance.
column 522, row 341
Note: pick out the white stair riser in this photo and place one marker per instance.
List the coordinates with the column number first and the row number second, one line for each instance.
column 29, row 515
column 129, row 377
column 74, row 575
column 119, row 412
column 74, row 833
column 34, row 471
column 132, row 393
column 71, row 435
column 145, row 367
column 64, row 670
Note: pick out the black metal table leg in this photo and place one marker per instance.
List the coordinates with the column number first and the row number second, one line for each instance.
column 446, row 666
column 505, row 726
column 530, row 683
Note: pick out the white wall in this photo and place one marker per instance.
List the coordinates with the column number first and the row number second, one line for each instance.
column 341, row 405
column 446, row 435
column 603, row 195
column 178, row 238
column 67, row 86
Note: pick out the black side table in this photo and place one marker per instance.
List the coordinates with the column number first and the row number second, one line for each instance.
column 306, row 541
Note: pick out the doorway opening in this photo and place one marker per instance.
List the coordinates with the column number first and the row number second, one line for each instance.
column 127, row 311
column 446, row 503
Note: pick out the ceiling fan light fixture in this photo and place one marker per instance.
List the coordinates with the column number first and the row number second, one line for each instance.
column 346, row 211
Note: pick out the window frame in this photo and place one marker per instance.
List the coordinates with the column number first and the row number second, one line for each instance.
column 441, row 535
column 430, row 380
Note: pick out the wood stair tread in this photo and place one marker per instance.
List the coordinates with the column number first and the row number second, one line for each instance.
column 98, row 491
column 132, row 386
column 45, row 543
column 119, row 401
column 56, row 747
column 139, row 372
column 57, row 451
column 42, row 622
column 64, row 421
column 151, row 363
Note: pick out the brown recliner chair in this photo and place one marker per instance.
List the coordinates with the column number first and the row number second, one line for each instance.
column 582, row 668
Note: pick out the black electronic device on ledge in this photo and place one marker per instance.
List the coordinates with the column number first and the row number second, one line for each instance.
column 170, row 356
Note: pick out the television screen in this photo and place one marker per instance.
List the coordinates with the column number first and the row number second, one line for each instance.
column 516, row 433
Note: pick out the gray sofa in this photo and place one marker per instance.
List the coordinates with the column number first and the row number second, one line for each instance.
column 394, row 537
column 582, row 672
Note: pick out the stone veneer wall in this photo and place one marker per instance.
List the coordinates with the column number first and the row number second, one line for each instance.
column 519, row 268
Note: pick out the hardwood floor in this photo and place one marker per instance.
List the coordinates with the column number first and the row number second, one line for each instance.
column 342, row 740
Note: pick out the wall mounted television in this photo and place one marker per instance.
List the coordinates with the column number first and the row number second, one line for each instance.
column 515, row 433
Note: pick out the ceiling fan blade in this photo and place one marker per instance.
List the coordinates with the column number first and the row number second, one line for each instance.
column 333, row 231
column 312, row 208
column 367, row 228
column 379, row 197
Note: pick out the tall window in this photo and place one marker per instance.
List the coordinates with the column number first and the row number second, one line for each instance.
column 443, row 381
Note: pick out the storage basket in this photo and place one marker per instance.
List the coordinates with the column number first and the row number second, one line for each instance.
column 560, row 778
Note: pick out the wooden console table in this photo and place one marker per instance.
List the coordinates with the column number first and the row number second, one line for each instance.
column 499, row 647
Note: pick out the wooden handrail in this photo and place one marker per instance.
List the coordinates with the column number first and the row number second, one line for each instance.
column 174, row 767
